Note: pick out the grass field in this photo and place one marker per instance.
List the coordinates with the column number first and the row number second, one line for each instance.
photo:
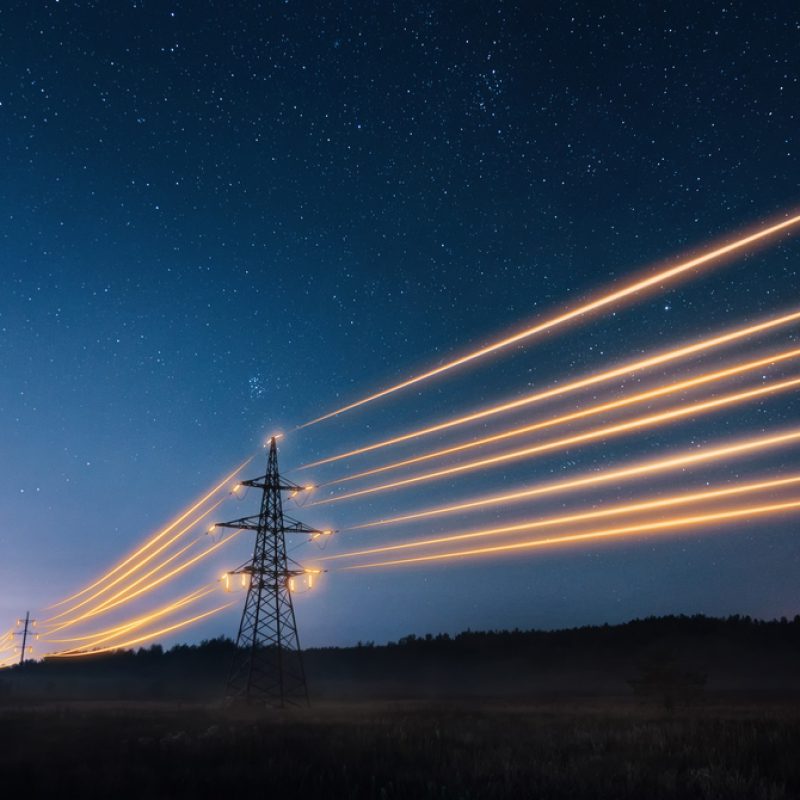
column 565, row 749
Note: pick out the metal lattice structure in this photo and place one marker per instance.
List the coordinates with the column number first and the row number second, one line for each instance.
column 268, row 664
column 25, row 633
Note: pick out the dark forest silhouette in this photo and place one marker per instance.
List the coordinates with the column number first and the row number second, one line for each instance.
column 673, row 659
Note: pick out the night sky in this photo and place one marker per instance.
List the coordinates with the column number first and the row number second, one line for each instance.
column 221, row 220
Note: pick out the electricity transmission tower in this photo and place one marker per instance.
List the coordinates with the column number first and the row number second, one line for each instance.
column 268, row 663
column 24, row 633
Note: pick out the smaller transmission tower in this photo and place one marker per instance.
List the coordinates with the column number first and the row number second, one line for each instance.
column 268, row 663
column 27, row 624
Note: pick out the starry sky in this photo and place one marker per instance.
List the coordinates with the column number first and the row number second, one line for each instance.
column 222, row 220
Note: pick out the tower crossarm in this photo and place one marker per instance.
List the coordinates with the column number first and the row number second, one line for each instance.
column 244, row 523
column 293, row 526
column 270, row 571
column 284, row 486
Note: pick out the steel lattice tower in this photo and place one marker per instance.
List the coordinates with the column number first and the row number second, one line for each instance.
column 268, row 664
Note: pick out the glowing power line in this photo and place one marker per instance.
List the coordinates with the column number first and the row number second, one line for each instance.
column 595, row 478
column 581, row 383
column 99, row 637
column 661, row 391
column 121, row 597
column 597, row 433
column 660, row 277
column 137, row 565
column 679, row 522
column 157, row 536
column 124, row 593
column 685, row 498
column 144, row 638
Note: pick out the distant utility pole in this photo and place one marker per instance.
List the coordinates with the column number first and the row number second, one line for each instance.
column 29, row 623
column 268, row 665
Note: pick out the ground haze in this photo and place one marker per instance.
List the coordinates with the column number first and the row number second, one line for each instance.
column 662, row 708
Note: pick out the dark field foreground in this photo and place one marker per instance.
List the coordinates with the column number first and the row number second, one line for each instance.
column 568, row 749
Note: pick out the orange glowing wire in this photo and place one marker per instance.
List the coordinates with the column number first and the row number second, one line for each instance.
column 678, row 522
column 121, row 597
column 661, row 391
column 8, row 636
column 613, row 511
column 602, row 432
column 137, row 566
column 581, row 383
column 646, row 468
column 158, row 536
column 123, row 592
column 660, row 277
column 146, row 637
column 101, row 637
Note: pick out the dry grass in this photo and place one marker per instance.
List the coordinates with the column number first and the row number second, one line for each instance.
column 576, row 749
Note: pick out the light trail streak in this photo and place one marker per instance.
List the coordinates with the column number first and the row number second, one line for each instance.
column 120, row 598
column 101, row 637
column 603, row 432
column 618, row 510
column 137, row 566
column 101, row 606
column 157, row 536
column 144, row 638
column 660, row 277
column 630, row 530
column 7, row 642
column 581, row 383
column 661, row 391
column 646, row 468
